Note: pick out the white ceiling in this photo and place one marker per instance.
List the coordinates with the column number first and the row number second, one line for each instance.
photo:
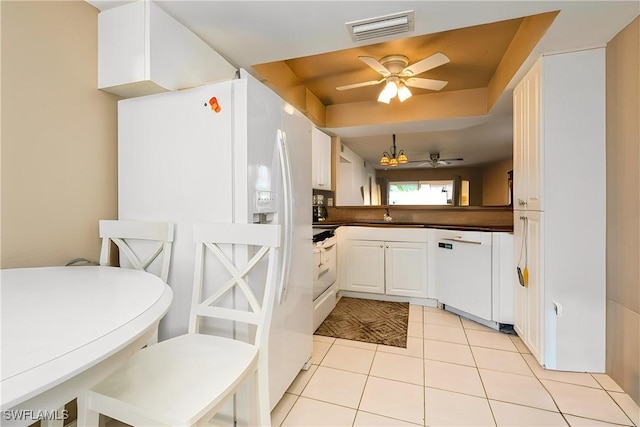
column 255, row 32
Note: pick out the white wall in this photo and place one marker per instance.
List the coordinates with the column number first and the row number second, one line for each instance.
column 353, row 174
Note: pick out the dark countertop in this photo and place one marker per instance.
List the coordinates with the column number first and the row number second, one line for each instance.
column 330, row 224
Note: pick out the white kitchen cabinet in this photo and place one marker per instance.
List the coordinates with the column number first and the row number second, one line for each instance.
column 406, row 269
column 560, row 209
column 321, row 161
column 142, row 50
column 527, row 171
column 396, row 266
column 529, row 299
column 365, row 266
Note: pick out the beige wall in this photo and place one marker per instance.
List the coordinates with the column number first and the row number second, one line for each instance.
column 623, row 209
column 59, row 167
column 495, row 186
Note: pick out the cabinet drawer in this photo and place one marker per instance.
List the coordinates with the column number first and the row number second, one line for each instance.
column 391, row 234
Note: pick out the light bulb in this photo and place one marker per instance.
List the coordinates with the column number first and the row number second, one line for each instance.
column 402, row 158
column 383, row 97
column 403, row 93
column 391, row 89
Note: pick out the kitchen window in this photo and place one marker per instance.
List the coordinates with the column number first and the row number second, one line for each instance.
column 421, row 192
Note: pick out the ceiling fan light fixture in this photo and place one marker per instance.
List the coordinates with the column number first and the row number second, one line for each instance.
column 384, row 160
column 383, row 97
column 404, row 93
column 393, row 162
column 391, row 88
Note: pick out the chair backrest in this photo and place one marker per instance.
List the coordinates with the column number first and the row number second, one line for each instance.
column 209, row 237
column 124, row 233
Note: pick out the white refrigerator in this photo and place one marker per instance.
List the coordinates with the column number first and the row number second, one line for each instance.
column 232, row 151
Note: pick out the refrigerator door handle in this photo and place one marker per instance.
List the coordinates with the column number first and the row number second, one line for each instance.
column 287, row 225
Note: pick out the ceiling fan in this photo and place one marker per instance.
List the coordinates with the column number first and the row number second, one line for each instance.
column 398, row 75
column 435, row 161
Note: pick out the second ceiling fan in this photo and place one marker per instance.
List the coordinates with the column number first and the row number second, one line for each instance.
column 398, row 75
column 434, row 161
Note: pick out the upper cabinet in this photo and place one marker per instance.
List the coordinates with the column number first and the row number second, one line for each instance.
column 142, row 50
column 527, row 166
column 321, row 161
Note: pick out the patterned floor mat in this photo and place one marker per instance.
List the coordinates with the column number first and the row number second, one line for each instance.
column 377, row 322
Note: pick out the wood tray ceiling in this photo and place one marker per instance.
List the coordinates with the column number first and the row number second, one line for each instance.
column 484, row 58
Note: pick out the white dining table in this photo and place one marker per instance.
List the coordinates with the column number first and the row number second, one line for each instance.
column 65, row 328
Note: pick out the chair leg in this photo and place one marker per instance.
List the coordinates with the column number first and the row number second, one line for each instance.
column 262, row 397
column 86, row 416
column 58, row 422
column 154, row 339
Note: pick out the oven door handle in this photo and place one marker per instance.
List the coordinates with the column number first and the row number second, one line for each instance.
column 323, row 269
column 325, row 248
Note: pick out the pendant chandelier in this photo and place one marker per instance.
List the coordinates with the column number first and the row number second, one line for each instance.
column 392, row 159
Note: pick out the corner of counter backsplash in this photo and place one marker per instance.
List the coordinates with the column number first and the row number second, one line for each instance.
column 446, row 216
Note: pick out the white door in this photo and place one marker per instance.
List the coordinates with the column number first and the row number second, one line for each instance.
column 520, row 292
column 365, row 266
column 406, row 269
column 519, row 145
column 533, row 143
column 535, row 286
column 527, row 148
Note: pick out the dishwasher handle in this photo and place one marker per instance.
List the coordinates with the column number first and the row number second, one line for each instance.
column 461, row 240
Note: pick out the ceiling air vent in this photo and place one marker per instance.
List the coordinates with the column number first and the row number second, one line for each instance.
column 381, row 26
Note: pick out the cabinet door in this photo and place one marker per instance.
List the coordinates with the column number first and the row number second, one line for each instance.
column 533, row 146
column 519, row 145
column 321, row 162
column 529, row 298
column 535, row 289
column 520, row 292
column 406, row 269
column 527, row 148
column 365, row 266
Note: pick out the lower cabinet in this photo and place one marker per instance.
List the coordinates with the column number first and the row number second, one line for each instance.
column 365, row 267
column 529, row 301
column 386, row 267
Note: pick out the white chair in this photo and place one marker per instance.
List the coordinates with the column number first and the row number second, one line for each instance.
column 186, row 379
column 122, row 233
column 136, row 240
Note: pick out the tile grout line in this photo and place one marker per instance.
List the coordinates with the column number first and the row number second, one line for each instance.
column 366, row 381
column 290, row 409
column 616, row 402
column 495, row 422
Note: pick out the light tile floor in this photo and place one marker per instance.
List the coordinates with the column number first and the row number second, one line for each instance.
column 454, row 372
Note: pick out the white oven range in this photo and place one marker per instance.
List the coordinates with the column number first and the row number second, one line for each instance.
column 324, row 274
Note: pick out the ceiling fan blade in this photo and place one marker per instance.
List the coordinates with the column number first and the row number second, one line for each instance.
column 426, row 64
column 421, row 163
column 375, row 64
column 459, row 159
column 426, row 83
column 355, row 85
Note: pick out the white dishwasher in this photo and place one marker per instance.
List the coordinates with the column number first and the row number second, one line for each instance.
column 463, row 271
